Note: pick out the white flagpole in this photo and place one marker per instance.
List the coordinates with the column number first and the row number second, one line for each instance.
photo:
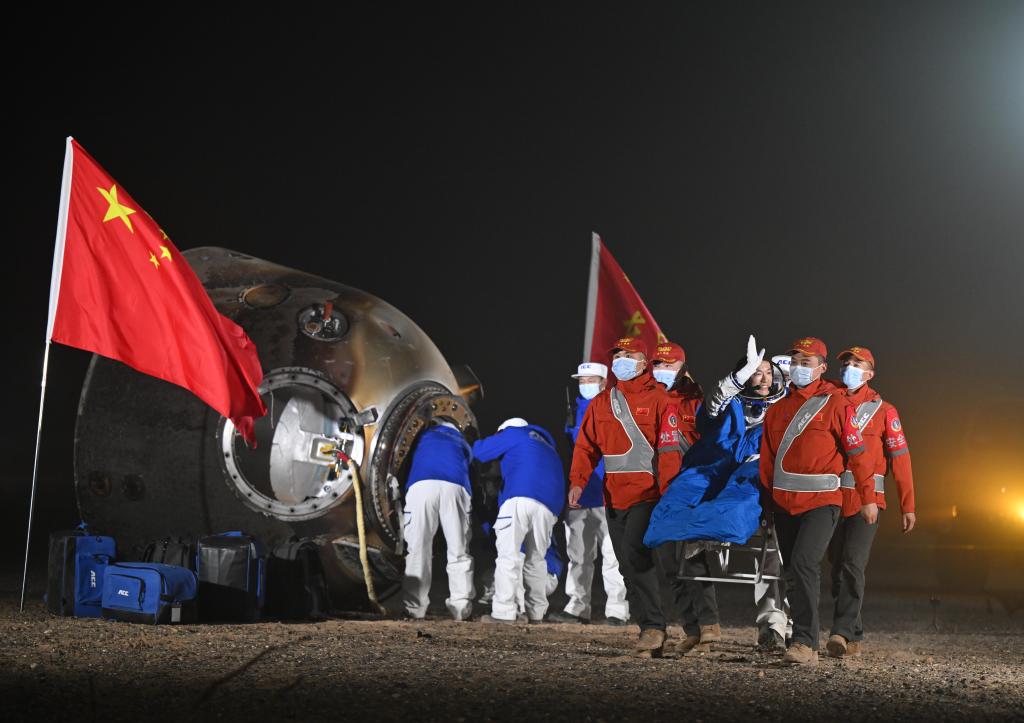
column 35, row 471
column 58, row 268
column 595, row 265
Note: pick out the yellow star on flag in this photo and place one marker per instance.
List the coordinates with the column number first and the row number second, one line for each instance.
column 633, row 323
column 116, row 210
column 165, row 253
column 152, row 260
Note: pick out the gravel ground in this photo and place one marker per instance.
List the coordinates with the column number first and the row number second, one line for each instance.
column 955, row 659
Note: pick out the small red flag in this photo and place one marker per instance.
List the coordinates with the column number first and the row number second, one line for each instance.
column 614, row 309
column 121, row 289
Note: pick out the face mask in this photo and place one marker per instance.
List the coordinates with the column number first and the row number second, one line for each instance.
column 625, row 368
column 589, row 390
column 802, row 376
column 666, row 377
column 853, row 376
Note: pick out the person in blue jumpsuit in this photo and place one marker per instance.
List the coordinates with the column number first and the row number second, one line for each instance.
column 531, row 499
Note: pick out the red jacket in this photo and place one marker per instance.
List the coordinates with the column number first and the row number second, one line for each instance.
column 602, row 434
column 828, row 445
column 687, row 418
column 885, row 445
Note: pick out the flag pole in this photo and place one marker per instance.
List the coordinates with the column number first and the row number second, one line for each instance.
column 35, row 472
column 55, row 274
column 595, row 265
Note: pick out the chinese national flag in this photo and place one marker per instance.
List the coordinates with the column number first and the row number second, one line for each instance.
column 121, row 289
column 614, row 309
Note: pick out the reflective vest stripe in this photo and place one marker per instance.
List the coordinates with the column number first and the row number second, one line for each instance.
column 792, row 481
column 861, row 418
column 848, row 482
column 866, row 412
column 640, row 456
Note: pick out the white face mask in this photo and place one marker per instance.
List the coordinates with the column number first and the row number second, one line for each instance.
column 590, row 390
column 666, row 377
column 625, row 368
column 853, row 376
column 802, row 376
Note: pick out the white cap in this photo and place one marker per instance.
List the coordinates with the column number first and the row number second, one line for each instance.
column 514, row 422
column 591, row 369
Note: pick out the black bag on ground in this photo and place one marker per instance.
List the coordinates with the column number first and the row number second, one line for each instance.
column 230, row 568
column 296, row 586
column 179, row 551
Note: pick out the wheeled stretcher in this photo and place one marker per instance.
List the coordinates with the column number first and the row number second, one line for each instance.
column 763, row 548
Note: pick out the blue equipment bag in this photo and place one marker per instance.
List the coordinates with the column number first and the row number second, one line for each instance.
column 230, row 567
column 76, row 566
column 149, row 592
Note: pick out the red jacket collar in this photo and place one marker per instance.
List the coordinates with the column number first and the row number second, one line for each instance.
column 644, row 382
column 861, row 394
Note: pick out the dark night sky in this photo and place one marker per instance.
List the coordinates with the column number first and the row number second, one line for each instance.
column 848, row 171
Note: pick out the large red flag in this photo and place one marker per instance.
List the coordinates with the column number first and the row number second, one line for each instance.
column 614, row 309
column 121, row 289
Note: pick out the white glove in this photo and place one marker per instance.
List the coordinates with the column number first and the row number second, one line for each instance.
column 783, row 361
column 754, row 359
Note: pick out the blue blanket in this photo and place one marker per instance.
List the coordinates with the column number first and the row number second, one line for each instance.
column 717, row 494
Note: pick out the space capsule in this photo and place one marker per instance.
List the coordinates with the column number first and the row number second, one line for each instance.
column 343, row 370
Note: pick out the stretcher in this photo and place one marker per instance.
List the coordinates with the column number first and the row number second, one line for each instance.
column 763, row 547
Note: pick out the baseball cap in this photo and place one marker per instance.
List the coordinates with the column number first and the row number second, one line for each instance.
column 632, row 344
column 858, row 352
column 669, row 352
column 591, row 369
column 513, row 422
column 809, row 345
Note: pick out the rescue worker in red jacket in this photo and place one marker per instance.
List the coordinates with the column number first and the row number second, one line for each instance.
column 807, row 444
column 633, row 426
column 695, row 601
column 885, row 446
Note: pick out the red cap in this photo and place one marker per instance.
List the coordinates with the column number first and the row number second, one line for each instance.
column 669, row 353
column 809, row 345
column 632, row 344
column 858, row 352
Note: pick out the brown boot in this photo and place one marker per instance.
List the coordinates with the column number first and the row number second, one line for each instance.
column 682, row 647
column 853, row 648
column 711, row 633
column 651, row 643
column 800, row 654
column 837, row 646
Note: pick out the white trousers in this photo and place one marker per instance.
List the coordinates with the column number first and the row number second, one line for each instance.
column 522, row 523
column 586, row 532
column 430, row 503
column 549, row 587
column 772, row 605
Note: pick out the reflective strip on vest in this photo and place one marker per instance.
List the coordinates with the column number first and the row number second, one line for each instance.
column 792, row 481
column 861, row 418
column 684, row 443
column 640, row 457
column 848, row 482
column 865, row 412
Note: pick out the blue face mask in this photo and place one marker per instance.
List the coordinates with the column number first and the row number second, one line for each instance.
column 666, row 377
column 625, row 368
column 589, row 390
column 802, row 376
column 853, row 376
